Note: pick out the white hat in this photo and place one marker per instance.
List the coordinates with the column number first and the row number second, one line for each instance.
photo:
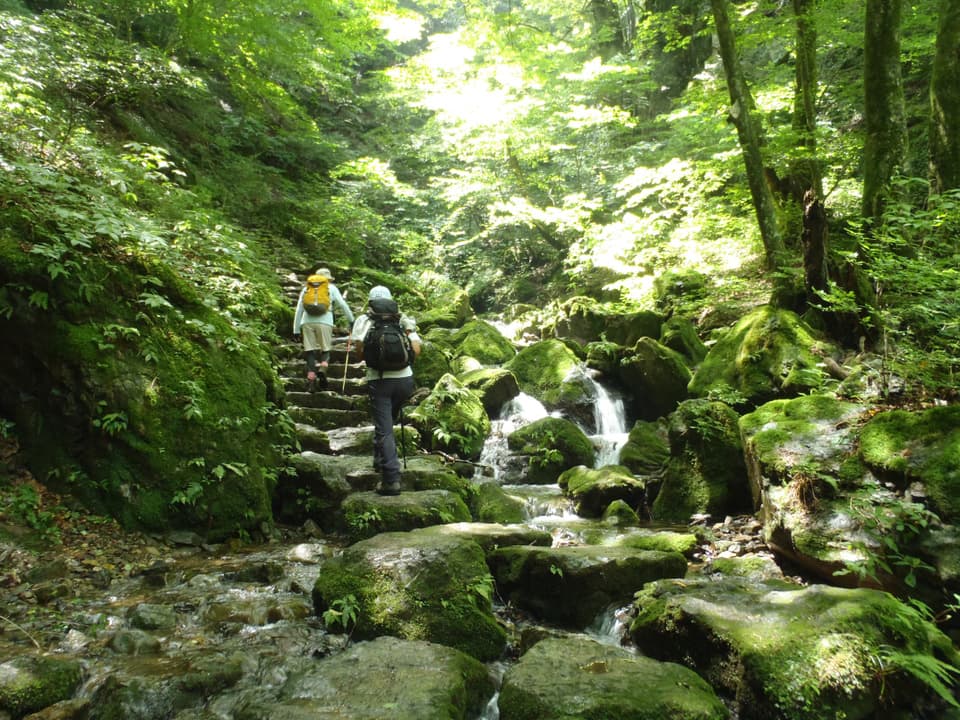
column 379, row 292
column 325, row 272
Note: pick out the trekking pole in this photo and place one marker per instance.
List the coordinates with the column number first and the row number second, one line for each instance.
column 346, row 366
column 403, row 439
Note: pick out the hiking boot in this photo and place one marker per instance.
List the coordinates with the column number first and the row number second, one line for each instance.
column 389, row 489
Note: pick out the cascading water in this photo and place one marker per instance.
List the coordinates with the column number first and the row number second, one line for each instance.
column 521, row 410
column 611, row 423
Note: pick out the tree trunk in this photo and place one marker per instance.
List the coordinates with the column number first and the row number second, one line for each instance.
column 742, row 116
column 945, row 101
column 806, row 171
column 607, row 30
column 885, row 145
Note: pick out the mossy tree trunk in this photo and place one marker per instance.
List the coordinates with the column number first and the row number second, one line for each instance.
column 945, row 101
column 748, row 131
column 885, row 145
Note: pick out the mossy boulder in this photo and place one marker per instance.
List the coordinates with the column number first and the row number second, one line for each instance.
column 571, row 585
column 494, row 386
column 924, row 447
column 483, row 341
column 385, row 677
column 592, row 490
column 680, row 335
column 452, row 419
column 706, row 473
column 366, row 513
column 584, row 320
column 554, row 445
column 419, row 585
column 549, row 371
column 577, row 677
column 29, row 683
column 604, row 357
column 791, row 653
column 769, row 353
column 656, row 377
column 432, row 363
column 494, row 505
column 647, row 448
column 450, row 309
column 620, row 513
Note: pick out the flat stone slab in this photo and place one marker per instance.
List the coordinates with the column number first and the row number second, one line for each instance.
column 367, row 513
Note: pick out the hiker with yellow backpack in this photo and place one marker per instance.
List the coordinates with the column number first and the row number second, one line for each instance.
column 314, row 320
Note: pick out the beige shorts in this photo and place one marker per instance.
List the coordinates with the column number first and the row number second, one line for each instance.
column 317, row 336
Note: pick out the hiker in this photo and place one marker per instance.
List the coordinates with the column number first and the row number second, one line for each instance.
column 388, row 344
column 314, row 320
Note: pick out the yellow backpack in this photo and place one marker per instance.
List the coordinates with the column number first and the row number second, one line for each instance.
column 316, row 298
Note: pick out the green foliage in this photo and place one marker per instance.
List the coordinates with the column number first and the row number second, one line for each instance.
column 343, row 612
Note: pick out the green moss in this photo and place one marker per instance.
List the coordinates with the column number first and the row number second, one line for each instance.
column 481, row 340
column 664, row 540
column 554, row 445
column 542, row 368
column 31, row 683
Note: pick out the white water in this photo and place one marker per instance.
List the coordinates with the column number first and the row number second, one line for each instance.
column 521, row 410
column 611, row 424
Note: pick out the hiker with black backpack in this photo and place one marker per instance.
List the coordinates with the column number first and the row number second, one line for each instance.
column 314, row 320
column 388, row 345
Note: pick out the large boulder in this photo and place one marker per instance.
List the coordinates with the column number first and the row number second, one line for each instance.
column 432, row 363
column 680, row 335
column 572, row 585
column 577, row 677
column 769, row 353
column 452, row 419
column 551, row 372
column 788, row 653
column 656, row 377
column 367, row 513
column 918, row 447
column 811, row 462
column 553, row 445
column 383, row 678
column 494, row 387
column 29, row 683
column 419, row 585
column 706, row 473
column 585, row 320
column 592, row 490
column 647, row 448
column 484, row 342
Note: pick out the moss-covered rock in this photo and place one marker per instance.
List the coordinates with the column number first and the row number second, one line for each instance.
column 494, row 386
column 365, row 514
column 706, row 471
column 402, row 679
column 790, row 653
column 918, row 446
column 554, row 445
column 418, row 586
column 620, row 513
column 769, row 353
column 452, row 418
column 494, row 505
column 29, row 683
column 549, row 371
column 572, row 585
column 663, row 540
column 564, row 678
column 432, row 363
column 481, row 340
column 592, row 490
column 647, row 448
column 680, row 335
column 604, row 356
column 451, row 309
column 655, row 376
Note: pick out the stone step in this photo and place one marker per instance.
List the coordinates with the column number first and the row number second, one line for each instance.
column 353, row 387
column 296, row 367
column 329, row 419
column 312, row 439
column 329, row 399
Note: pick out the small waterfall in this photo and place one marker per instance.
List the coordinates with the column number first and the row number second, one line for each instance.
column 611, row 423
column 521, row 410
column 610, row 625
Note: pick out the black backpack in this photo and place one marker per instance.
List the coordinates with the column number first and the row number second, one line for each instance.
column 386, row 345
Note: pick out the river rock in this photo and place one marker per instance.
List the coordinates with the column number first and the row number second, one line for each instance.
column 417, row 586
column 592, row 490
column 366, row 514
column 782, row 650
column 383, row 679
column 572, row 585
column 561, row 678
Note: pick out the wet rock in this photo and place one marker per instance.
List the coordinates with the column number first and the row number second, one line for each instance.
column 572, row 585
column 29, row 683
column 149, row 616
column 415, row 585
column 578, row 677
column 134, row 642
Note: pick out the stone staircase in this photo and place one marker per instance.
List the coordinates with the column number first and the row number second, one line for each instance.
column 334, row 480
